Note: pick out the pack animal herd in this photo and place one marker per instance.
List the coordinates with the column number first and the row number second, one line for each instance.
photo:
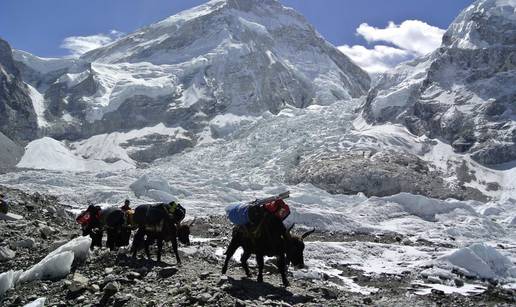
column 163, row 222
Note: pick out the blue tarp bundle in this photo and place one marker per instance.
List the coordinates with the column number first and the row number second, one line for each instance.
column 237, row 213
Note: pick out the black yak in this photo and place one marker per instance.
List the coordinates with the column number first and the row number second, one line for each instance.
column 160, row 222
column 113, row 220
column 268, row 238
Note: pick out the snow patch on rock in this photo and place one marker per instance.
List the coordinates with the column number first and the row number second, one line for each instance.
column 467, row 289
column 224, row 125
column 38, row 102
column 117, row 146
column 40, row 302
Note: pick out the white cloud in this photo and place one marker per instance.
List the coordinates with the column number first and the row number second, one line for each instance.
column 414, row 35
column 379, row 59
column 77, row 45
column 412, row 38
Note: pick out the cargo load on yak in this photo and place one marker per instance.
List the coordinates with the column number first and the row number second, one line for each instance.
column 174, row 210
column 177, row 211
column 89, row 215
column 253, row 212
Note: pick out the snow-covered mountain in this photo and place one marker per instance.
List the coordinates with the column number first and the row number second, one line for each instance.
column 236, row 57
column 243, row 99
column 464, row 92
column 211, row 71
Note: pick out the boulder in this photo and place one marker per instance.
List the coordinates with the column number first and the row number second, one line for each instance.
column 79, row 282
column 10, row 217
column 6, row 253
column 26, row 243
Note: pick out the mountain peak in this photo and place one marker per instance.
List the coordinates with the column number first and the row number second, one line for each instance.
column 485, row 23
column 243, row 57
column 210, row 24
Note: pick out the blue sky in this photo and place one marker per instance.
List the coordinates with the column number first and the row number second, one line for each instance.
column 41, row 26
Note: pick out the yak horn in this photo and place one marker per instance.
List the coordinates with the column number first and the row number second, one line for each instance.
column 193, row 221
column 291, row 226
column 306, row 234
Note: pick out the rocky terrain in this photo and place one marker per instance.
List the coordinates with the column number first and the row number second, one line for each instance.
column 379, row 174
column 114, row 279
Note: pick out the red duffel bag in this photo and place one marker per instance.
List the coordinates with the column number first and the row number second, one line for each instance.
column 279, row 208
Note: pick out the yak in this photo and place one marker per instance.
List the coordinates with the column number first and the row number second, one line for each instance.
column 156, row 223
column 118, row 226
column 268, row 238
column 112, row 219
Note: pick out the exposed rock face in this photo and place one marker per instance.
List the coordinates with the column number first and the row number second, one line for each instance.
column 17, row 116
column 464, row 92
column 377, row 174
column 10, row 153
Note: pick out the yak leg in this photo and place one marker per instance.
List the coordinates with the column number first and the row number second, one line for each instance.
column 259, row 261
column 96, row 238
column 137, row 241
column 282, row 266
column 243, row 261
column 233, row 246
column 125, row 235
column 148, row 241
column 111, row 238
column 174, row 248
column 160, row 247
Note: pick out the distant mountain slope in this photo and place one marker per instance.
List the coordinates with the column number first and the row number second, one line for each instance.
column 465, row 91
column 10, row 153
column 17, row 116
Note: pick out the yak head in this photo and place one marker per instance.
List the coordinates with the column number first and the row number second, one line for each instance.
column 295, row 247
column 85, row 220
column 183, row 232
